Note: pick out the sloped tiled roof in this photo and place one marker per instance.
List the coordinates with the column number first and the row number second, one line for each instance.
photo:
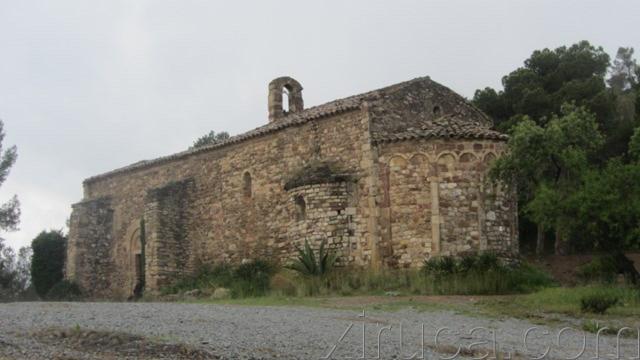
column 312, row 113
column 447, row 126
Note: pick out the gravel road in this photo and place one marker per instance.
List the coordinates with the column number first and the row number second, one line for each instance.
column 186, row 331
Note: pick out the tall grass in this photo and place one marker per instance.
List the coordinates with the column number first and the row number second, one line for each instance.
column 476, row 275
column 418, row 282
column 246, row 280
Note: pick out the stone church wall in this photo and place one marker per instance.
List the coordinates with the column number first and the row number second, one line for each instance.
column 436, row 200
column 325, row 212
column 224, row 224
column 407, row 186
column 166, row 222
column 90, row 245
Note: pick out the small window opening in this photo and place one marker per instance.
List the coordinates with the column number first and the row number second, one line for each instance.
column 436, row 110
column 301, row 208
column 246, row 185
column 285, row 101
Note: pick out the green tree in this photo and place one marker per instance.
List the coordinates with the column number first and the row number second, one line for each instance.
column 47, row 263
column 7, row 272
column 549, row 79
column 623, row 82
column 634, row 145
column 606, row 208
column 625, row 70
column 211, row 138
column 23, row 268
column 545, row 164
column 606, row 211
column 533, row 93
column 10, row 210
column 9, row 219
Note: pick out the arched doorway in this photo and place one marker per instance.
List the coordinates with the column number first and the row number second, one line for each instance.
column 137, row 261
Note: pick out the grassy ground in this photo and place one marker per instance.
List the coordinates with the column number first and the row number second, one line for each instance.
column 564, row 301
column 558, row 306
column 479, row 285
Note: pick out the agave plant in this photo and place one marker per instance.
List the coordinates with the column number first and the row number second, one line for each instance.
column 307, row 263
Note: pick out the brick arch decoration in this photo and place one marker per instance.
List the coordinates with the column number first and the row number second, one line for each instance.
column 468, row 157
column 397, row 161
column 446, row 162
column 421, row 155
column 489, row 158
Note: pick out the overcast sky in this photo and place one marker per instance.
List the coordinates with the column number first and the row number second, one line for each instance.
column 88, row 86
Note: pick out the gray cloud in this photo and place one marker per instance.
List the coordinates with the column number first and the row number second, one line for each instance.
column 90, row 86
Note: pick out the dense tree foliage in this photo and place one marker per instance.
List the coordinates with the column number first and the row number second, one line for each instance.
column 549, row 79
column 574, row 150
column 546, row 162
column 211, row 138
column 47, row 264
column 634, row 145
column 605, row 209
column 9, row 211
column 9, row 218
column 575, row 74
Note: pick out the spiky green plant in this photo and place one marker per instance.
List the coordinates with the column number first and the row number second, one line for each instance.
column 307, row 263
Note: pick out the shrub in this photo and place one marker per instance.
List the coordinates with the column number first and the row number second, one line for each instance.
column 487, row 261
column 467, row 263
column 447, row 265
column 249, row 279
column 446, row 276
column 600, row 269
column 598, row 303
column 591, row 326
column 525, row 278
column 475, row 274
column 206, row 276
column 282, row 284
column 308, row 264
column 252, row 278
column 64, row 291
column 49, row 251
column 441, row 265
column 521, row 278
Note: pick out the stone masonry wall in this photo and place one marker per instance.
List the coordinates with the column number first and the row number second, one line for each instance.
column 416, row 190
column 224, row 224
column 436, row 200
column 90, row 245
column 325, row 212
column 167, row 216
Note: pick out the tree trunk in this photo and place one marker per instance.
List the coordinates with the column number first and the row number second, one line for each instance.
column 540, row 240
column 560, row 244
column 625, row 266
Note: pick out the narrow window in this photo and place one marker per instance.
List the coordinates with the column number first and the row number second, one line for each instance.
column 436, row 110
column 247, row 184
column 301, row 208
column 285, row 100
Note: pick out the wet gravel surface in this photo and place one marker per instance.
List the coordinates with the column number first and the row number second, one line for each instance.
column 248, row 332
